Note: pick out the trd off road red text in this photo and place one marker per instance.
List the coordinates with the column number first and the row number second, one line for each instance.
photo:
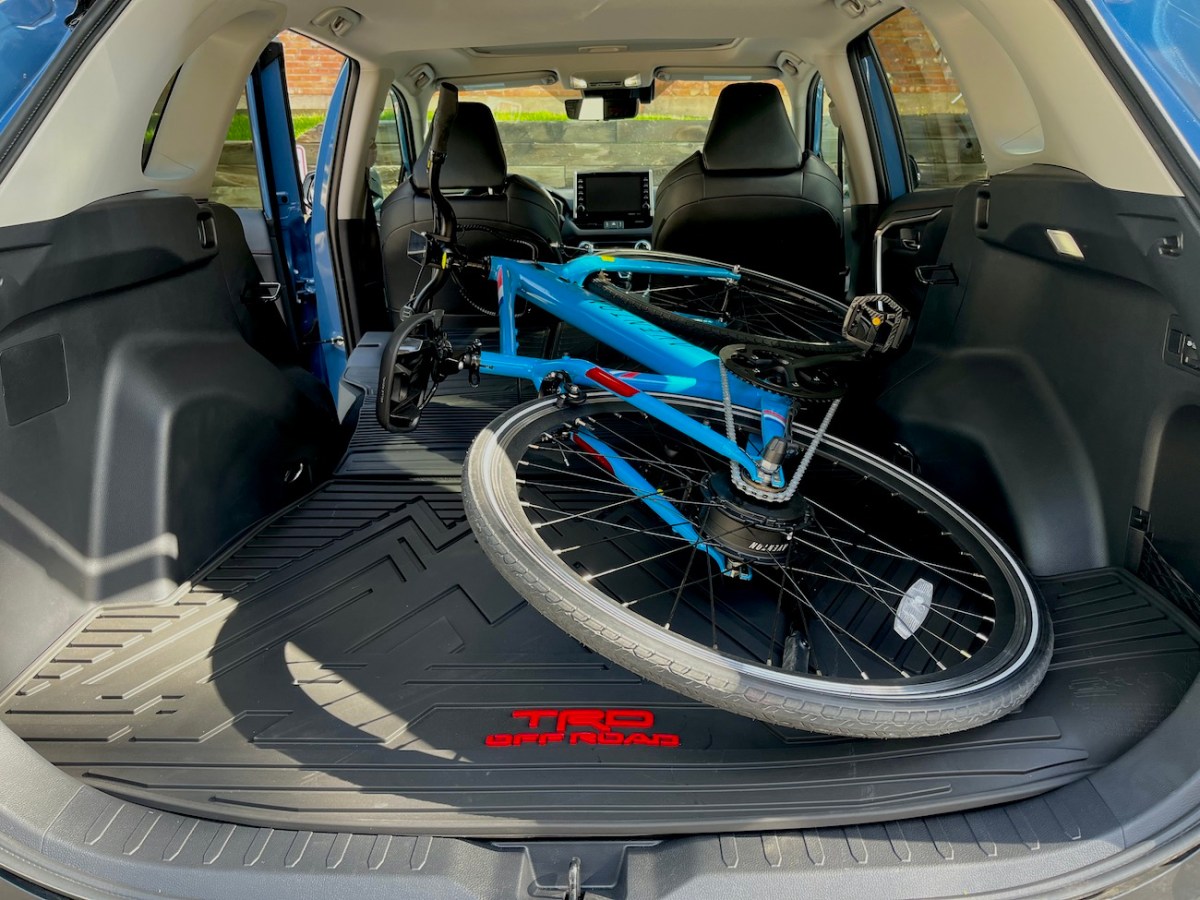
column 606, row 727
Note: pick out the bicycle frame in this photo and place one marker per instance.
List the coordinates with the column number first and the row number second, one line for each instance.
column 678, row 367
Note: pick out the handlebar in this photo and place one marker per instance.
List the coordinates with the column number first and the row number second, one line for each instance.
column 445, row 224
column 447, row 110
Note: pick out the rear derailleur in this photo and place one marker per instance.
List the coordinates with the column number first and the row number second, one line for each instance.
column 417, row 359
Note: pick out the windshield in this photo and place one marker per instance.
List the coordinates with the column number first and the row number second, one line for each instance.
column 543, row 144
column 30, row 33
column 1162, row 39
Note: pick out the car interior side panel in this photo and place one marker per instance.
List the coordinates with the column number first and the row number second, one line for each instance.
column 152, row 412
column 1055, row 368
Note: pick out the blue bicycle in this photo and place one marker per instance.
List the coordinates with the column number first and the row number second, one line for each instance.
column 682, row 522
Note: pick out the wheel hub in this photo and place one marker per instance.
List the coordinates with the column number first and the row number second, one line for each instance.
column 750, row 529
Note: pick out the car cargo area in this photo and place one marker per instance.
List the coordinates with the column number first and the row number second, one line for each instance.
column 355, row 664
column 881, row 316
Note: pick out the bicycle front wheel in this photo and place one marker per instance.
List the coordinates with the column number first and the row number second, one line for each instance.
column 752, row 308
column 882, row 610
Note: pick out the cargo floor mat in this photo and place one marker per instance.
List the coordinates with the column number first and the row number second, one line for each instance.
column 357, row 665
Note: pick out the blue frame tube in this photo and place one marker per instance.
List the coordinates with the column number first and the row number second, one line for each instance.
column 634, row 388
column 695, row 372
column 559, row 290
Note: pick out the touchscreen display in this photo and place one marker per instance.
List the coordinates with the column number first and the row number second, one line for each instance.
column 613, row 192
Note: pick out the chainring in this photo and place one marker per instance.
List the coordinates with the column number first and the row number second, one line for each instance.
column 810, row 378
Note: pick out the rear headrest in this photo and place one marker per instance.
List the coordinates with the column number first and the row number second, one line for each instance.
column 750, row 131
column 474, row 155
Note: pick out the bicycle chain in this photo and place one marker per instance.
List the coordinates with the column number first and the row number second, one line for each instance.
column 735, row 470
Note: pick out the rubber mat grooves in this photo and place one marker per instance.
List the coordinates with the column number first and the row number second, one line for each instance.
column 344, row 668
column 438, row 446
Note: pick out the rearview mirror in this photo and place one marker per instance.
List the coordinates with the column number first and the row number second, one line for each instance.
column 585, row 109
column 604, row 106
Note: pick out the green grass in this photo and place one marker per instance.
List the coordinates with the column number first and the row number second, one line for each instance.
column 531, row 116
column 239, row 128
column 303, row 124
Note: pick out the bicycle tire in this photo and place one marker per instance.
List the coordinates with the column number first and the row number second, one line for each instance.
column 793, row 306
column 918, row 707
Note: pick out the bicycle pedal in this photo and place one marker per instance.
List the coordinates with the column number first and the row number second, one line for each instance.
column 875, row 322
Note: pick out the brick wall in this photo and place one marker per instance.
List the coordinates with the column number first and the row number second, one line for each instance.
column 920, row 78
column 312, row 71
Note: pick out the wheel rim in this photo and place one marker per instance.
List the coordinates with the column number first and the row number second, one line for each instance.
column 848, row 586
column 754, row 304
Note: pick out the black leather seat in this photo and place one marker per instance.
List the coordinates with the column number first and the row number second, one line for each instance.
column 750, row 198
column 498, row 214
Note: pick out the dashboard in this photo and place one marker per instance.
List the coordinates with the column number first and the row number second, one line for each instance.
column 612, row 201
column 611, row 209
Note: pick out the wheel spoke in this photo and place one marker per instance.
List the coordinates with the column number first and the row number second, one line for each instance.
column 873, row 592
column 834, row 627
column 837, row 590
column 906, row 556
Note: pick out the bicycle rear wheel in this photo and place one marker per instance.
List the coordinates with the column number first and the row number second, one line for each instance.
column 882, row 610
column 752, row 309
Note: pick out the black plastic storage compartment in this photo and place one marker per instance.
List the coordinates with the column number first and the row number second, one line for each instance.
column 151, row 411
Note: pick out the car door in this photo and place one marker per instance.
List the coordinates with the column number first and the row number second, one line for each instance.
column 308, row 290
column 927, row 151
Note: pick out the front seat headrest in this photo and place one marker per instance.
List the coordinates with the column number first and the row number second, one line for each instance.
column 750, row 131
column 474, row 155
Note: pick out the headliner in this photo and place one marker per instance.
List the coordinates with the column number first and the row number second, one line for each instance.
column 400, row 35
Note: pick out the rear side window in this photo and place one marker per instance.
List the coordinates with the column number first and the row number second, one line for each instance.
column 387, row 164
column 939, row 137
column 312, row 72
column 236, row 183
column 155, row 118
column 824, row 133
